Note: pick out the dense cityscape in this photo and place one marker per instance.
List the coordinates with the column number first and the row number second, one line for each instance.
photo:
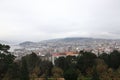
column 96, row 46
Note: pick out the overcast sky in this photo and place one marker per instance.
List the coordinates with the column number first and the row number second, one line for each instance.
column 35, row 20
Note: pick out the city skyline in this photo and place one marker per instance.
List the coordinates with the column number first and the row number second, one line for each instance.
column 28, row 20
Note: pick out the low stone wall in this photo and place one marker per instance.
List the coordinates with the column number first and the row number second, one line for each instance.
column 50, row 79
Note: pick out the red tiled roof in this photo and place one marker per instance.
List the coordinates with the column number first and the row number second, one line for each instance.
column 65, row 53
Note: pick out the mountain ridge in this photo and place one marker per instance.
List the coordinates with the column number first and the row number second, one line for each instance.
column 67, row 39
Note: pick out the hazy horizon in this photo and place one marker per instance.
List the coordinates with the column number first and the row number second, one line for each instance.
column 37, row 20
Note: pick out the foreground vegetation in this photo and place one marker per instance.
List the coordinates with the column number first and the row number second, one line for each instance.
column 86, row 66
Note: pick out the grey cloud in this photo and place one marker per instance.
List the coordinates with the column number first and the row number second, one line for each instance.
column 44, row 19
